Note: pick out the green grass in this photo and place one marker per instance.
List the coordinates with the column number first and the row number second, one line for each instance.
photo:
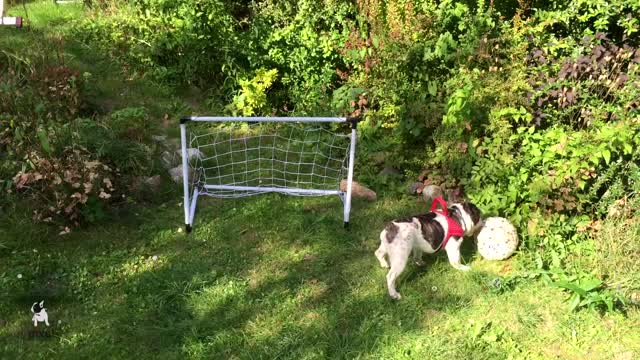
column 264, row 277
column 274, row 277
column 44, row 14
column 108, row 87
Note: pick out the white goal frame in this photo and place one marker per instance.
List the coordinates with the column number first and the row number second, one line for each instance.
column 191, row 197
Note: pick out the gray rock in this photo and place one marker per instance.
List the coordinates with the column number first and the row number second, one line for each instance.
column 455, row 195
column 423, row 175
column 191, row 153
column 378, row 158
column 152, row 183
column 359, row 191
column 176, row 174
column 431, row 192
column 416, row 188
column 162, row 139
column 169, row 159
column 389, row 171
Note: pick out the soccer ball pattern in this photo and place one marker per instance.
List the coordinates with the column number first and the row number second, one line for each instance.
column 497, row 239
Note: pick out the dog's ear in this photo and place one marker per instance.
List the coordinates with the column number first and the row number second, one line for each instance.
column 473, row 211
column 42, row 304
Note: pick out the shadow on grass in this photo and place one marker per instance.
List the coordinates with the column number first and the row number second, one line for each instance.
column 267, row 277
column 304, row 306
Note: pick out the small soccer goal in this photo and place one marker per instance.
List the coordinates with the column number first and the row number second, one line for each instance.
column 232, row 157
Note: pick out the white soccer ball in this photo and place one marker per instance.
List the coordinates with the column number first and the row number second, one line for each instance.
column 498, row 239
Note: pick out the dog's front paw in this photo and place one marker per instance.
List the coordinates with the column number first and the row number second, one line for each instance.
column 420, row 263
column 464, row 268
column 395, row 296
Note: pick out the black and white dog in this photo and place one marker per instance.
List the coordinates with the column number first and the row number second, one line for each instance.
column 426, row 233
column 39, row 313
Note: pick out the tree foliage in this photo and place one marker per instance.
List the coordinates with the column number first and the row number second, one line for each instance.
column 531, row 106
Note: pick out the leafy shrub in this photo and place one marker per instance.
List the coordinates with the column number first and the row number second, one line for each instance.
column 252, row 99
column 62, row 186
column 38, row 88
column 121, row 147
column 538, row 124
column 414, row 56
column 303, row 41
column 175, row 41
column 68, row 168
column 218, row 44
column 587, row 86
column 131, row 123
column 588, row 292
column 35, row 94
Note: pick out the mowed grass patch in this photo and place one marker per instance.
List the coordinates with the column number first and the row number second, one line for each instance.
column 275, row 277
column 264, row 277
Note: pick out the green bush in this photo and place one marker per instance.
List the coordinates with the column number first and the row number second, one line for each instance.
column 67, row 169
column 530, row 106
column 175, row 41
column 63, row 187
column 131, row 123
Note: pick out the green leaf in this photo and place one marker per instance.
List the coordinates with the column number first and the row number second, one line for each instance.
column 607, row 155
column 376, row 41
column 44, row 141
column 590, row 284
column 582, row 184
column 609, row 303
column 575, row 301
column 477, row 329
column 571, row 286
column 432, row 87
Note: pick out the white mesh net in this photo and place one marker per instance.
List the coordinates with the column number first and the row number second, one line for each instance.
column 244, row 159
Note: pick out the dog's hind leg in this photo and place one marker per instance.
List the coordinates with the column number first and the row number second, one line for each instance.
column 453, row 253
column 417, row 256
column 398, row 259
column 382, row 251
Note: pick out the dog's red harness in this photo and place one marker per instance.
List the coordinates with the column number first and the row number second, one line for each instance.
column 453, row 228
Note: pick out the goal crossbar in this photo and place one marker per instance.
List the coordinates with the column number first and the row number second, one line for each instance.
column 265, row 119
column 310, row 167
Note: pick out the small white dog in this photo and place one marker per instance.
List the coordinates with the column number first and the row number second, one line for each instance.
column 428, row 233
column 39, row 313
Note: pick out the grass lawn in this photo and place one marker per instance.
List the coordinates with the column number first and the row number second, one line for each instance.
column 274, row 277
column 261, row 278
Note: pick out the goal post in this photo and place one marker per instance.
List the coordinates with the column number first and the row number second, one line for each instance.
column 231, row 157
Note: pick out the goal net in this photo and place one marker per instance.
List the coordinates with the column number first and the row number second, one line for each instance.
column 231, row 157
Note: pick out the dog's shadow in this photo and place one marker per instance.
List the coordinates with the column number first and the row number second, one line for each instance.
column 468, row 250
